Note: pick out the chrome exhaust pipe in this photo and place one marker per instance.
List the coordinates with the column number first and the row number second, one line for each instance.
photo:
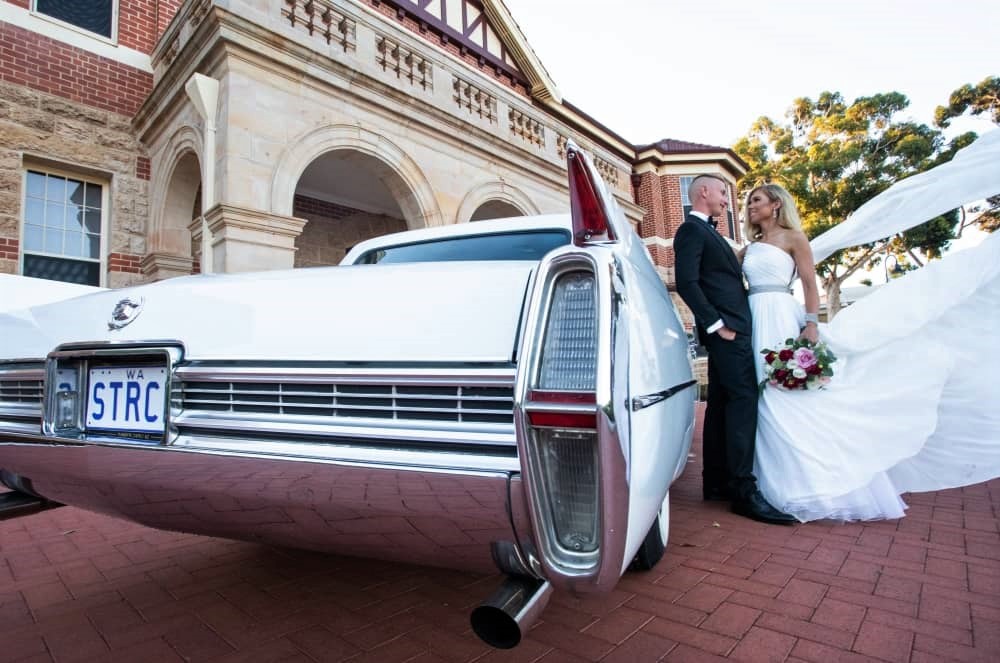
column 503, row 620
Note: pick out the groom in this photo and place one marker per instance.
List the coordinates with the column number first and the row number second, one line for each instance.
column 710, row 281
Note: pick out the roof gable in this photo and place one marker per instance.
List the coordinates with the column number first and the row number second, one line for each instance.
column 486, row 29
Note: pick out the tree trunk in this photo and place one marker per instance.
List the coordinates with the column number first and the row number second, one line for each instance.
column 832, row 298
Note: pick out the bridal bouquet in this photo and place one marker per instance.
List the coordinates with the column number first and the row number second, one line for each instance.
column 798, row 364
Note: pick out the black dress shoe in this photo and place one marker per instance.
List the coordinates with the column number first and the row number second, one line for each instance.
column 758, row 508
column 716, row 493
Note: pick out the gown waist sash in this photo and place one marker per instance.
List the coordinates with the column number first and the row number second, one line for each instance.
column 758, row 289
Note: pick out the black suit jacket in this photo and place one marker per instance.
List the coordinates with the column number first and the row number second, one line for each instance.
column 709, row 278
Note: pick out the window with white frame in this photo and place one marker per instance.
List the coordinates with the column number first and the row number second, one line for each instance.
column 686, row 203
column 62, row 228
column 96, row 16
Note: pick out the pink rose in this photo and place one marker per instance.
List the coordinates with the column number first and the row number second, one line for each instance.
column 805, row 358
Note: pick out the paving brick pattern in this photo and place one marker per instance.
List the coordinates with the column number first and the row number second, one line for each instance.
column 75, row 586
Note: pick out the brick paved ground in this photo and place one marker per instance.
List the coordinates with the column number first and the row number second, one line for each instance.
column 81, row 587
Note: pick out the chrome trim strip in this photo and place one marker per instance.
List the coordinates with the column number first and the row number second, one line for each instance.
column 444, row 376
column 19, row 427
column 22, row 374
column 569, row 408
column 347, row 453
column 641, row 402
column 436, row 431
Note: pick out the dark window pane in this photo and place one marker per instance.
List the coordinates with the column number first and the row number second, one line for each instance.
column 93, row 197
column 74, row 191
column 93, row 246
column 61, row 269
column 530, row 245
column 93, row 220
column 92, row 15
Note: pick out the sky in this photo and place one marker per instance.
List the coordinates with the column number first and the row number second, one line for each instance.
column 704, row 70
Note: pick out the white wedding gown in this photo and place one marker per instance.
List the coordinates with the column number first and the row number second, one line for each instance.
column 911, row 406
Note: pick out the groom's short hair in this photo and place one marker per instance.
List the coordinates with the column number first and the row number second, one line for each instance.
column 699, row 181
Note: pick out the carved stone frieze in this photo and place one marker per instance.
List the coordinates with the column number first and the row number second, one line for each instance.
column 561, row 142
column 526, row 128
column 607, row 170
column 406, row 64
column 475, row 100
column 320, row 19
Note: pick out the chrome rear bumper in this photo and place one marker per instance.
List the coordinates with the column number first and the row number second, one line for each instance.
column 432, row 514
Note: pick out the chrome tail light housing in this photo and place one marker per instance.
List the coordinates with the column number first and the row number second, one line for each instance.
column 572, row 460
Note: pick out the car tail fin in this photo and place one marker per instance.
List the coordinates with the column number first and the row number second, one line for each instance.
column 590, row 203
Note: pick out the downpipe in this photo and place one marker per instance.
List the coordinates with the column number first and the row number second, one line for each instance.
column 503, row 620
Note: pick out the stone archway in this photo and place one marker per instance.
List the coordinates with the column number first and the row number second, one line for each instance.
column 396, row 170
column 344, row 197
column 494, row 200
column 174, row 204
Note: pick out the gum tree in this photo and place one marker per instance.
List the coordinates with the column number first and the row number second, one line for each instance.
column 978, row 100
column 833, row 156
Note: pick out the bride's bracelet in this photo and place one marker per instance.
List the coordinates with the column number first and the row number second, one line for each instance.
column 813, row 318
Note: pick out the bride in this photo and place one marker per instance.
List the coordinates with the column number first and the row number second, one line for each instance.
column 909, row 407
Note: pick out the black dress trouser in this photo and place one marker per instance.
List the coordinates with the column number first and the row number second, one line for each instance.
column 730, row 430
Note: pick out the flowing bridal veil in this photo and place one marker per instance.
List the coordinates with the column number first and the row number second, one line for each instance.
column 943, row 318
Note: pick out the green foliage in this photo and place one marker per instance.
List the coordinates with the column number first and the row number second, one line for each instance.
column 981, row 99
column 834, row 156
column 990, row 219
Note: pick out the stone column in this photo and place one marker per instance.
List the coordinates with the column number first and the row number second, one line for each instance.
column 246, row 240
column 204, row 94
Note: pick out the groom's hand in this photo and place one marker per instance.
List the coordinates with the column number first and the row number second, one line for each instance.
column 726, row 334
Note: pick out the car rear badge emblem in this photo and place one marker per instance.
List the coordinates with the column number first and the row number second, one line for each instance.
column 125, row 312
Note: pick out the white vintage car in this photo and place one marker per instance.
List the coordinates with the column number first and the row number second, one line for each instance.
column 512, row 395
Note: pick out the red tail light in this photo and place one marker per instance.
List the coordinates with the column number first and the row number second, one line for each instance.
column 567, row 418
column 590, row 216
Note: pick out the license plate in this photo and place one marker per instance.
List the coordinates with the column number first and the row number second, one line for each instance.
column 130, row 399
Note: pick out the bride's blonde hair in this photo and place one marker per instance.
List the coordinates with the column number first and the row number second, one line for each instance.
column 788, row 214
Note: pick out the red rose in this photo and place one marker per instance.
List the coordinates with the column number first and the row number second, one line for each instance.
column 785, row 355
column 814, row 370
column 780, row 374
column 769, row 357
column 791, row 383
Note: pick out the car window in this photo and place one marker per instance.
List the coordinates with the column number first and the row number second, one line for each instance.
column 530, row 245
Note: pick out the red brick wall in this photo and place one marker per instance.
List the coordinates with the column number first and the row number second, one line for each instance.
column 141, row 22
column 646, row 188
column 21, row 3
column 137, row 24
column 142, row 167
column 33, row 60
column 8, row 249
column 125, row 262
column 165, row 11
